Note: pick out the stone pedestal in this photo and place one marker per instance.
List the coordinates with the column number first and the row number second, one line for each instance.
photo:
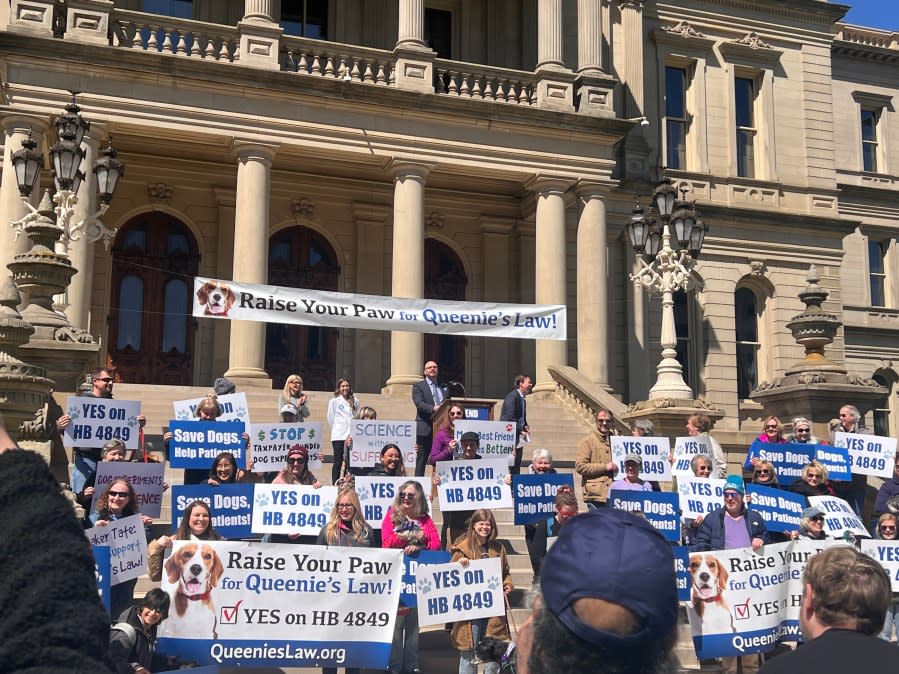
column 88, row 21
column 669, row 415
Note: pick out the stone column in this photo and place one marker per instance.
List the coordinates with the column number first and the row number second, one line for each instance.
column 555, row 82
column 224, row 267
column 371, row 251
column 496, row 252
column 411, row 31
column 638, row 352
column 81, row 251
column 636, row 149
column 592, row 285
column 589, row 36
column 251, row 232
column 550, row 268
column 260, row 36
column 16, row 129
column 406, row 348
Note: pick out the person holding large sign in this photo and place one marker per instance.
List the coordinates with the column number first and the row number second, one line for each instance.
column 409, row 527
column 480, row 543
column 196, row 525
column 888, row 530
column 297, row 470
column 225, row 471
column 445, row 444
column 631, row 480
column 852, row 491
column 699, row 425
column 814, row 481
column 113, row 450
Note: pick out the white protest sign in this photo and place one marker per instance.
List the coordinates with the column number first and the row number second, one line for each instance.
column 291, row 508
column 377, row 492
column 270, row 443
column 497, row 438
column 653, row 451
column 868, row 454
column 146, row 478
column 451, row 592
column 887, row 553
column 127, row 543
column 472, row 484
column 284, row 605
column 699, row 496
column 839, row 517
column 369, row 438
column 95, row 421
column 234, row 408
column 684, row 451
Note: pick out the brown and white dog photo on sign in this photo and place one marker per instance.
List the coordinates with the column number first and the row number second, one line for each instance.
column 217, row 297
column 194, row 569
column 709, row 612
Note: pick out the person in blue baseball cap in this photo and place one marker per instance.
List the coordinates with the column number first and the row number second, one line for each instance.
column 607, row 602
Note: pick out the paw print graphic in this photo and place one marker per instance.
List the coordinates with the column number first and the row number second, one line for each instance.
column 444, row 475
column 241, row 413
column 424, row 586
column 326, row 507
column 493, row 583
column 363, row 494
column 132, row 422
column 74, row 414
column 262, row 500
column 183, row 415
column 683, row 490
column 499, row 479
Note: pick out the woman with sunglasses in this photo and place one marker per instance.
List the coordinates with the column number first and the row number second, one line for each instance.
column 802, row 432
column 772, row 433
column 117, row 502
column 445, row 444
column 888, row 530
column 814, row 481
column 701, row 465
column 811, row 525
column 888, row 495
column 765, row 475
column 408, row 527
column 297, row 470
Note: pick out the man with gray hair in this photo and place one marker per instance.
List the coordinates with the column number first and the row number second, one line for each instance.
column 853, row 492
column 592, row 615
column 844, row 600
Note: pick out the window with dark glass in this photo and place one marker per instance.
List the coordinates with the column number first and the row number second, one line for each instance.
column 174, row 322
column 305, row 18
column 182, row 9
column 682, row 327
column 877, row 272
column 744, row 107
column 869, row 140
column 746, row 318
column 439, row 31
column 131, row 313
column 881, row 411
column 675, row 117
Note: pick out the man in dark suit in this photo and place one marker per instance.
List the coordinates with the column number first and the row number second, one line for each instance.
column 515, row 409
column 427, row 397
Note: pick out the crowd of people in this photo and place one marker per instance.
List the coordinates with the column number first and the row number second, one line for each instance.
column 562, row 631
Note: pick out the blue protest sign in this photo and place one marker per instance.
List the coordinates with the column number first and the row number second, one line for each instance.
column 682, row 571
column 535, row 495
column 787, row 458
column 780, row 509
column 231, row 506
column 195, row 444
column 409, row 595
column 659, row 508
column 836, row 460
column 103, row 572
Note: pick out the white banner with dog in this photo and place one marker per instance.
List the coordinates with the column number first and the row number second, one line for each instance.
column 291, row 508
column 96, row 421
column 257, row 604
column 271, row 442
column 744, row 602
column 127, row 542
column 302, row 306
column 471, row 484
column 452, row 592
column 369, row 438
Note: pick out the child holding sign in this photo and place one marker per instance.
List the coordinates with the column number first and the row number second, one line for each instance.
column 480, row 543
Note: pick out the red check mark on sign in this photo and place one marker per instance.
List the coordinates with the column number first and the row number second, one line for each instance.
column 229, row 613
column 742, row 610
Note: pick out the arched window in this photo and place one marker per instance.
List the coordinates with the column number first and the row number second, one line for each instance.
column 747, row 311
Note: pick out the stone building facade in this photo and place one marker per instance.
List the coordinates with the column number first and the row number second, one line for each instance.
column 480, row 150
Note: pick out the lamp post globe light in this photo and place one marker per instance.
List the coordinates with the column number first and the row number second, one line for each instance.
column 67, row 156
column 665, row 269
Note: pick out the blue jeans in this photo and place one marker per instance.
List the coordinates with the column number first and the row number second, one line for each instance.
column 404, row 652
column 84, row 469
column 892, row 620
column 468, row 663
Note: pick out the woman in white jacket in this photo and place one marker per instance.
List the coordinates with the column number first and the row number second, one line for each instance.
column 341, row 409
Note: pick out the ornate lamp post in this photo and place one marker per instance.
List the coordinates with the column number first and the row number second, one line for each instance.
column 664, row 270
column 67, row 156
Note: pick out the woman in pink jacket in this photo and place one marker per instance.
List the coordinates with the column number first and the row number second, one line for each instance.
column 409, row 527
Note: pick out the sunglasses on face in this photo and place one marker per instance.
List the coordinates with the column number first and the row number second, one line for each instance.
column 887, row 528
column 407, row 497
column 817, row 518
column 105, row 380
column 292, row 462
column 704, row 469
column 813, row 476
column 118, row 494
column 731, row 496
column 763, row 471
column 456, row 414
column 771, row 428
column 803, row 430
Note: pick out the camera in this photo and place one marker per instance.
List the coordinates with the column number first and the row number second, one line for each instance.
column 499, row 651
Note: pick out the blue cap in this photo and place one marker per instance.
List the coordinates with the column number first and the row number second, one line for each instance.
column 617, row 557
column 734, row 483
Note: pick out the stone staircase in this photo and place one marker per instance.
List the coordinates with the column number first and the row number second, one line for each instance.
column 554, row 427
